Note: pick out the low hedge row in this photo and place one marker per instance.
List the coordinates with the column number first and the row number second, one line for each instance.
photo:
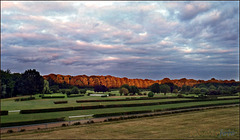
column 60, row 102
column 31, row 122
column 127, row 99
column 3, row 112
column 121, row 113
column 75, row 95
column 25, row 99
column 156, row 110
column 111, row 106
column 47, row 97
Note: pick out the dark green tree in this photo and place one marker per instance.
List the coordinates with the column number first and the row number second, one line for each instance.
column 74, row 90
column 32, row 81
column 155, row 88
column 126, row 86
column 134, row 89
column 164, row 89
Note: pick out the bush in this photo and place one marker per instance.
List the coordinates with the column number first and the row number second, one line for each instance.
column 64, row 125
column 46, row 97
column 104, row 96
column 3, row 113
column 74, row 90
column 25, row 99
column 60, row 102
column 22, row 130
column 75, row 95
column 77, row 123
column 10, row 131
column 110, row 94
column 31, row 122
column 180, row 96
column 150, row 94
column 144, row 93
column 83, row 91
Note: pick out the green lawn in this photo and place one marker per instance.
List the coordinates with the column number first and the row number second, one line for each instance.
column 15, row 117
column 205, row 124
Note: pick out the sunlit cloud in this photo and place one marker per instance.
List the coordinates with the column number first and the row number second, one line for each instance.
column 152, row 40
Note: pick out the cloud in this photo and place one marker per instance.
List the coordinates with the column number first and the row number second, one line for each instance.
column 126, row 39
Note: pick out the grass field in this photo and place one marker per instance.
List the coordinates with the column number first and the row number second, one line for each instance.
column 207, row 124
column 16, row 117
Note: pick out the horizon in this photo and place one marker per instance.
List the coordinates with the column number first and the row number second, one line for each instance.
column 138, row 40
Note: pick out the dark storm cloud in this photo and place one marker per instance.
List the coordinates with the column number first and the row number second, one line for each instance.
column 126, row 39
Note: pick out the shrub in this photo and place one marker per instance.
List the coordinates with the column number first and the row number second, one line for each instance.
column 77, row 123
column 83, row 91
column 10, row 131
column 104, row 96
column 110, row 94
column 144, row 93
column 74, row 90
column 60, row 102
column 64, row 125
column 60, row 96
column 63, row 91
column 75, row 95
column 150, row 94
column 22, row 130
column 25, row 99
column 140, row 94
column 3, row 113
column 180, row 96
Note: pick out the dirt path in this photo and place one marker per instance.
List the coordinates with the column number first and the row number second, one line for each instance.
column 85, row 121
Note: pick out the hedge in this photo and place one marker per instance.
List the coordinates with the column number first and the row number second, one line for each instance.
column 75, row 95
column 25, row 99
column 31, row 122
column 60, row 102
column 3, row 112
column 46, row 97
column 127, row 99
column 156, row 110
column 112, row 106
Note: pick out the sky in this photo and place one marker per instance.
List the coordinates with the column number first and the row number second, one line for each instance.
column 145, row 40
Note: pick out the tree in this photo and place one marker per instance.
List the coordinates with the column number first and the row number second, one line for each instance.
column 164, row 88
column 134, row 89
column 83, row 91
column 155, row 88
column 100, row 88
column 123, row 91
column 150, row 94
column 126, row 86
column 46, row 89
column 74, row 90
column 175, row 91
column 32, row 81
column 54, row 88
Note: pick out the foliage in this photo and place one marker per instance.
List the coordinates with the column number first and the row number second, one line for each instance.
column 155, row 88
column 100, row 88
column 150, row 94
column 46, row 89
column 54, row 88
column 175, row 91
column 74, row 90
column 123, row 91
column 126, row 86
column 134, row 90
column 83, row 91
column 164, row 88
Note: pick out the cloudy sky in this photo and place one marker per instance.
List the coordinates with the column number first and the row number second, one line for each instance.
column 151, row 40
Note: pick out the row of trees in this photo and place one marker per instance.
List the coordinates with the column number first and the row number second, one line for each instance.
column 205, row 89
column 126, row 89
column 27, row 83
